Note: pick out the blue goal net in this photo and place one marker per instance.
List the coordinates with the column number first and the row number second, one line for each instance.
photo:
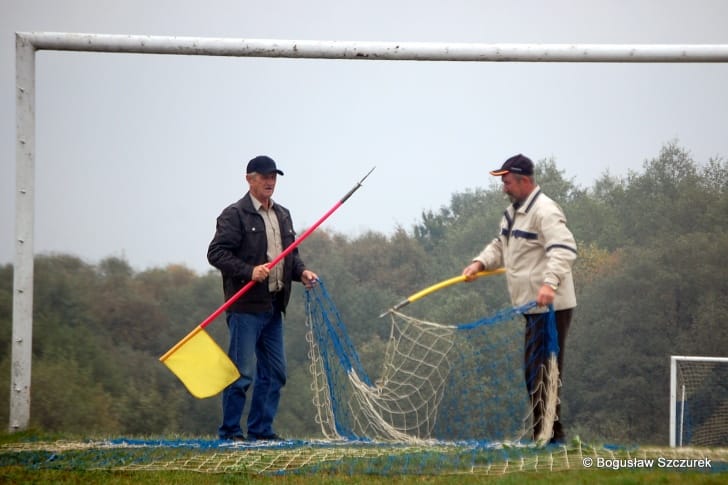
column 436, row 382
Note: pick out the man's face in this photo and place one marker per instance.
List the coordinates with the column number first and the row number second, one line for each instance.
column 516, row 188
column 262, row 185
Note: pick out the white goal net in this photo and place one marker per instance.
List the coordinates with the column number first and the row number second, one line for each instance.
column 698, row 401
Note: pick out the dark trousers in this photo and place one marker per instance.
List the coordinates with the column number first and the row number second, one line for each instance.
column 536, row 357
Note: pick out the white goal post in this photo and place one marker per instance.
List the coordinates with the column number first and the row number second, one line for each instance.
column 693, row 381
column 28, row 43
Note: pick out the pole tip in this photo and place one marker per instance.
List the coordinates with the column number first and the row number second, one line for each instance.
column 368, row 173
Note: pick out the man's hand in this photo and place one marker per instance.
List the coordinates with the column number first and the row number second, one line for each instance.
column 545, row 296
column 472, row 269
column 260, row 273
column 308, row 278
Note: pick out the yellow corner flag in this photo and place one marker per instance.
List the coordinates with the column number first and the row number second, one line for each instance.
column 201, row 364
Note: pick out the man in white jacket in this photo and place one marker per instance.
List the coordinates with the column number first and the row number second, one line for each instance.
column 537, row 250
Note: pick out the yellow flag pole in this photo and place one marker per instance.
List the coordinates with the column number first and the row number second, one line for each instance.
column 437, row 287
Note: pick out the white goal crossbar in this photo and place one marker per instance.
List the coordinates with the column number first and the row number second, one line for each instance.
column 678, row 394
column 28, row 43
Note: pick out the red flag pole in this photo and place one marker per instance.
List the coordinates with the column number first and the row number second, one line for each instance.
column 275, row 261
column 181, row 365
column 283, row 254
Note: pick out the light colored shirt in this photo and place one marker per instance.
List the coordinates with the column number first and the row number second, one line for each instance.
column 275, row 244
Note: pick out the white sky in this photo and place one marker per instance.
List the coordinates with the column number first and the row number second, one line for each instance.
column 138, row 154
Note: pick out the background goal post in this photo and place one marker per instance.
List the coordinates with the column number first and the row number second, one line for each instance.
column 698, row 401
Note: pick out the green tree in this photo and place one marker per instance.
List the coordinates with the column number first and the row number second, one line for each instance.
column 649, row 246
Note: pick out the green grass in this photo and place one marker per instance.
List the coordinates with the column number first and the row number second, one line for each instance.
column 27, row 458
column 21, row 475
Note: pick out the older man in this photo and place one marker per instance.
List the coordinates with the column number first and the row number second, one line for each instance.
column 250, row 233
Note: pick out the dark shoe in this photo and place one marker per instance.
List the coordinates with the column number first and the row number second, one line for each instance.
column 234, row 439
column 557, row 441
column 267, row 437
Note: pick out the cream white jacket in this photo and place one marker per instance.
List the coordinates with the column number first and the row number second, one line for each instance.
column 536, row 248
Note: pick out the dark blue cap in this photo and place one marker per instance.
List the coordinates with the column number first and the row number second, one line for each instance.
column 263, row 165
column 519, row 164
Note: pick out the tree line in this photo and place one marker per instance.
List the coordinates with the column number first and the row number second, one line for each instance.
column 649, row 285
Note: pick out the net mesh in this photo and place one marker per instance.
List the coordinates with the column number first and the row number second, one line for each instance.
column 450, row 399
column 437, row 382
column 702, row 403
column 344, row 458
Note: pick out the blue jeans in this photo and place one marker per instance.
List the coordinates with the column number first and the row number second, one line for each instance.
column 256, row 348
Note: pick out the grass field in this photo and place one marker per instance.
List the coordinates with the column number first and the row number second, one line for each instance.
column 18, row 475
column 33, row 458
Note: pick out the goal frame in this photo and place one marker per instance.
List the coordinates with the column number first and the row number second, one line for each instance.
column 674, row 418
column 27, row 43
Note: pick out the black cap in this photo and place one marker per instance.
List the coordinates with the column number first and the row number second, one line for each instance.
column 263, row 165
column 519, row 164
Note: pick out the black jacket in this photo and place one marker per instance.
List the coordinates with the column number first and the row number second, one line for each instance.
column 240, row 244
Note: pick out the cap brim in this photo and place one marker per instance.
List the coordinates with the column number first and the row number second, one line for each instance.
column 498, row 173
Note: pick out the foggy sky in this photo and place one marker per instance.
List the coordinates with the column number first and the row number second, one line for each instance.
column 136, row 155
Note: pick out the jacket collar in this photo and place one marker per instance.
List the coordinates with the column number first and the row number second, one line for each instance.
column 258, row 204
column 251, row 204
column 524, row 207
